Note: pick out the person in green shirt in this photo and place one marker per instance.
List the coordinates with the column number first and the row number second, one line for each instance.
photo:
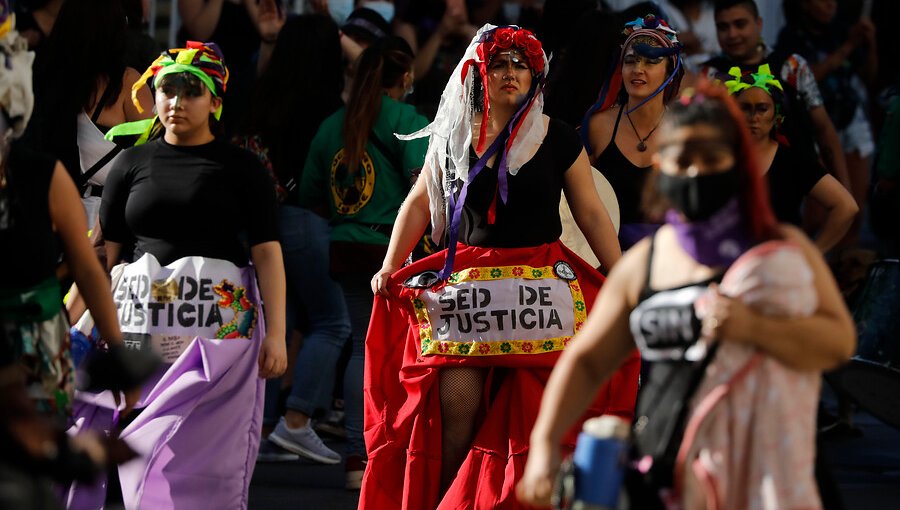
column 357, row 174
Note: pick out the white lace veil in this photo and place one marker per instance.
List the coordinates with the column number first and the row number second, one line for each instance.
column 447, row 159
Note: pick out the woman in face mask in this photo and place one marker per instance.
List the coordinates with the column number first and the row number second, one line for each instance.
column 740, row 314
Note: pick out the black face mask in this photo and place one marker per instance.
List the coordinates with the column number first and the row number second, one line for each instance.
column 697, row 198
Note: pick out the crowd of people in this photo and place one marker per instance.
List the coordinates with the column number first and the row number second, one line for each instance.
column 342, row 218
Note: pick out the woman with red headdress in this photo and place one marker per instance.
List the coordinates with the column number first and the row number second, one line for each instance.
column 461, row 343
column 740, row 315
column 621, row 130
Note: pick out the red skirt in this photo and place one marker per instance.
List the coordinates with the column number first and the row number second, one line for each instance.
column 515, row 308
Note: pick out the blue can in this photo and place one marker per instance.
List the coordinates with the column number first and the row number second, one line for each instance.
column 599, row 463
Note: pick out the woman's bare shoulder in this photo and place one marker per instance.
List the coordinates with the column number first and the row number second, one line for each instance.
column 600, row 129
column 129, row 77
column 630, row 272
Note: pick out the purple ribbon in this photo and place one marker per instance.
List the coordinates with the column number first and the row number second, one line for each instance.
column 456, row 203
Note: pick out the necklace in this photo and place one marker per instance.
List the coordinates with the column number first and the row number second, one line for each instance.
column 642, row 146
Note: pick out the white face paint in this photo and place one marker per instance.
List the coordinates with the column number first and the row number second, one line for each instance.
column 383, row 8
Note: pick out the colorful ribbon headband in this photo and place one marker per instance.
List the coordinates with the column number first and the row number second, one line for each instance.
column 651, row 22
column 203, row 60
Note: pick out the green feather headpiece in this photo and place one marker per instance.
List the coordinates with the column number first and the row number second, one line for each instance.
column 762, row 78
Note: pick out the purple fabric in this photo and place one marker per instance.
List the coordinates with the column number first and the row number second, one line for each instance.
column 717, row 241
column 197, row 434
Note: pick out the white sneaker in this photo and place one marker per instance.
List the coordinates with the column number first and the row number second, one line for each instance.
column 303, row 442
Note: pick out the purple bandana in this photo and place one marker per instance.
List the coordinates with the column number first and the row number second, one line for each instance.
column 715, row 242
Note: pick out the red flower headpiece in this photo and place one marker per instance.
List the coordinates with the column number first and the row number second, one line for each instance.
column 495, row 41
column 506, row 38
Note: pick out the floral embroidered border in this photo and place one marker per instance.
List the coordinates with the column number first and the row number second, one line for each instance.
column 498, row 347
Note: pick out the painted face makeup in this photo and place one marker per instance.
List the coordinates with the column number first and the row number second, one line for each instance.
column 633, row 59
column 509, row 78
column 508, row 62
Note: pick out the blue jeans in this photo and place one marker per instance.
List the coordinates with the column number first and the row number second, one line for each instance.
column 304, row 244
column 358, row 293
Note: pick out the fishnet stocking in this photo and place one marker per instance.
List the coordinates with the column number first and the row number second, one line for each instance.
column 460, row 390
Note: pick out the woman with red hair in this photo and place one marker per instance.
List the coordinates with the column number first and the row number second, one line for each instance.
column 740, row 315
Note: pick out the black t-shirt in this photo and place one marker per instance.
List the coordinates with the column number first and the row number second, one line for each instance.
column 180, row 201
column 530, row 216
column 30, row 249
column 791, row 178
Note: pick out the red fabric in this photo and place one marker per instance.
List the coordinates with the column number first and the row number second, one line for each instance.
column 402, row 404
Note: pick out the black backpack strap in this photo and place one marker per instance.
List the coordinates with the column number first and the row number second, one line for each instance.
column 90, row 172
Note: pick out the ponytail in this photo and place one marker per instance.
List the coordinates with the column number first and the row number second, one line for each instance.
column 379, row 67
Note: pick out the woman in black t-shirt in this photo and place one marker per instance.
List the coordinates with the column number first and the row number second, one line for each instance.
column 791, row 178
column 186, row 193
column 169, row 192
column 476, row 327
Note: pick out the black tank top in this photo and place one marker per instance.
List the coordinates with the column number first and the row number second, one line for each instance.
column 663, row 323
column 626, row 178
column 666, row 330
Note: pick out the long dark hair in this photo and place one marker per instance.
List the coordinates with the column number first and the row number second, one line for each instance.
column 300, row 88
column 380, row 66
column 86, row 46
